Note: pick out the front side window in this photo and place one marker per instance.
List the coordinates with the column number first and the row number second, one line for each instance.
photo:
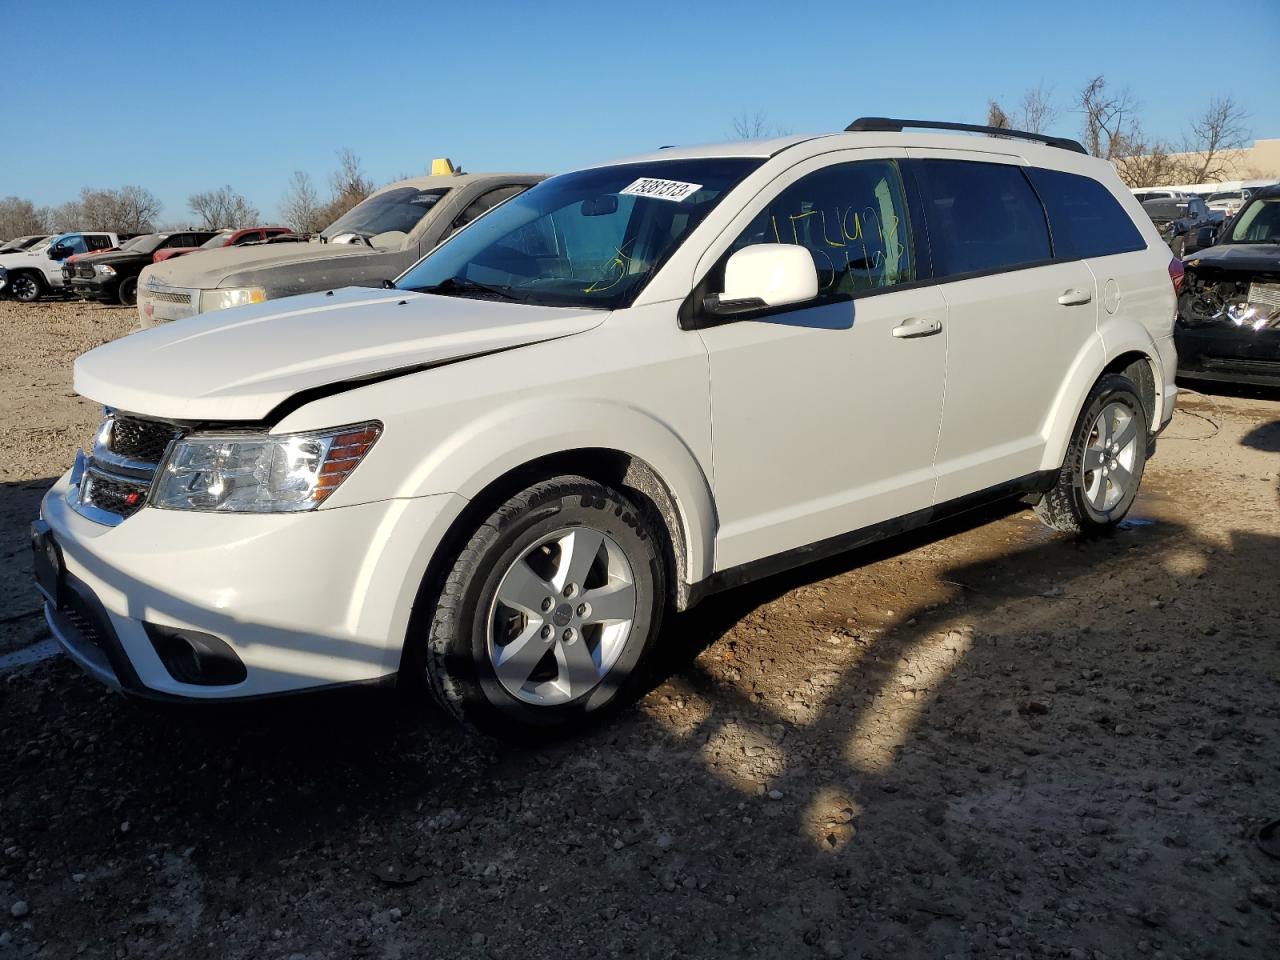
column 1259, row 223
column 1085, row 219
column 982, row 217
column 71, row 244
column 853, row 220
column 591, row 238
column 392, row 211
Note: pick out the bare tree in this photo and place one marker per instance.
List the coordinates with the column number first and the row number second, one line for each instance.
column 1109, row 127
column 756, row 126
column 1036, row 112
column 349, row 185
column 301, row 207
column 996, row 117
column 1147, row 164
column 65, row 216
column 137, row 209
column 19, row 217
column 223, row 208
column 1210, row 148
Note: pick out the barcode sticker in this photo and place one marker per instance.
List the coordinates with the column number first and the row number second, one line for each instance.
column 673, row 190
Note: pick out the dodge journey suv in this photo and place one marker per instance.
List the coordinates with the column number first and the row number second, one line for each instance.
column 618, row 392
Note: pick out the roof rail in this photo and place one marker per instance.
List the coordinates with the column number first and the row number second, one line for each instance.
column 891, row 125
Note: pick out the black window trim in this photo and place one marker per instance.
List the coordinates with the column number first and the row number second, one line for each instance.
column 692, row 316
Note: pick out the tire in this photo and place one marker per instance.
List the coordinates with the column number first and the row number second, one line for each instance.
column 26, row 287
column 127, row 294
column 515, row 647
column 1178, row 246
column 1103, row 468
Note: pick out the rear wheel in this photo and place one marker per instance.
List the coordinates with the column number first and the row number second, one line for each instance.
column 1103, row 469
column 1178, row 245
column 26, row 286
column 549, row 612
column 128, row 292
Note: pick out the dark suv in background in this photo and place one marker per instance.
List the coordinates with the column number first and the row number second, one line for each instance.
column 112, row 277
column 1179, row 220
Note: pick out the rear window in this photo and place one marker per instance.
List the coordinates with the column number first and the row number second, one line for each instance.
column 1085, row 219
column 983, row 217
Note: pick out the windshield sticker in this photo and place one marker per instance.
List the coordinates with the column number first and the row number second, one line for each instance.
column 672, row 190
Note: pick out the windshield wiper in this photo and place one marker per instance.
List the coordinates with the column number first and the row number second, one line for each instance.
column 457, row 285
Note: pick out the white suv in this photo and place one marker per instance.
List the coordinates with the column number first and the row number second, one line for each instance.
column 629, row 387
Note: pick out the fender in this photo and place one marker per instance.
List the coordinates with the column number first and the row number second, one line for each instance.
column 480, row 451
column 1121, row 336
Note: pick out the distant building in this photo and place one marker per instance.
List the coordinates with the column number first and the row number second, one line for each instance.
column 1259, row 162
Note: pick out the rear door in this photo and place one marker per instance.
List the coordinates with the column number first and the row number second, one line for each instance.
column 1016, row 317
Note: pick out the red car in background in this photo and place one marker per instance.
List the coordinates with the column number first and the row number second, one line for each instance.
column 226, row 238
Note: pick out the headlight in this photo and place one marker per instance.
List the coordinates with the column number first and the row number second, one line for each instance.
column 230, row 297
column 104, row 269
column 257, row 473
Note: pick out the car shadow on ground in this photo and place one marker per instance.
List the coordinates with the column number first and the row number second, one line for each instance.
column 762, row 799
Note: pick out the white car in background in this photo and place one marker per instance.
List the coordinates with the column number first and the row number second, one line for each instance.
column 31, row 273
column 622, row 390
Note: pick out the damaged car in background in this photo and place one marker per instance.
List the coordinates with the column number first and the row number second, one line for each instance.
column 1229, row 305
column 1179, row 220
column 368, row 246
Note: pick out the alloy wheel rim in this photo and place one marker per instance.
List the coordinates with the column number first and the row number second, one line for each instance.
column 1110, row 458
column 561, row 617
column 23, row 287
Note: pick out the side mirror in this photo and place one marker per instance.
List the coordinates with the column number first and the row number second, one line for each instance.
column 765, row 275
column 59, row 252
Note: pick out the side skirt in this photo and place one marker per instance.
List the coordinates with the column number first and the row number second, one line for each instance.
column 1032, row 483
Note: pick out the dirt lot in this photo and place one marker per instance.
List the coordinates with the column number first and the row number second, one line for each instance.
column 987, row 740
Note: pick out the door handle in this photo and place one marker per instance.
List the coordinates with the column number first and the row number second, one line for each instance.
column 916, row 327
column 1074, row 298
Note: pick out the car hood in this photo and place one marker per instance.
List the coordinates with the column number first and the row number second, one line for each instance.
column 1239, row 257
column 113, row 256
column 241, row 364
column 214, row 266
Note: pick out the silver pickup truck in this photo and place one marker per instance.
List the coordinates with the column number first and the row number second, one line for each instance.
column 376, row 240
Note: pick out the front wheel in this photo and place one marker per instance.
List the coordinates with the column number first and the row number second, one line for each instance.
column 1103, row 468
column 549, row 612
column 26, row 287
column 128, row 292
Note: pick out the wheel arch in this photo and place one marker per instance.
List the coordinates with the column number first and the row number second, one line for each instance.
column 1133, row 359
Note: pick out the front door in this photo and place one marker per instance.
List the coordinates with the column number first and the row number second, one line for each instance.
column 825, row 418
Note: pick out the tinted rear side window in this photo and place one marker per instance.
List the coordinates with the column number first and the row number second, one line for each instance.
column 982, row 217
column 1086, row 220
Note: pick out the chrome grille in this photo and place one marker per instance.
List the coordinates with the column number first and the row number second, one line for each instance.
column 139, row 439
column 163, row 296
column 122, row 496
column 112, row 484
column 84, row 271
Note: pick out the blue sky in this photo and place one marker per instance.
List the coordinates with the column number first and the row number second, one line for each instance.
column 188, row 96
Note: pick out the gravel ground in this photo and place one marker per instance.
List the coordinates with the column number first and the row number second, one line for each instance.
column 986, row 740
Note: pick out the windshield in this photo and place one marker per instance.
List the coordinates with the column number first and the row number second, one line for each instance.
column 1165, row 209
column 397, row 210
column 1258, row 223
column 217, row 240
column 1225, row 196
column 590, row 239
column 147, row 243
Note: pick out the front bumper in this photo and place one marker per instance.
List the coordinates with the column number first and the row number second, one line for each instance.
column 304, row 600
column 1228, row 353
column 99, row 288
